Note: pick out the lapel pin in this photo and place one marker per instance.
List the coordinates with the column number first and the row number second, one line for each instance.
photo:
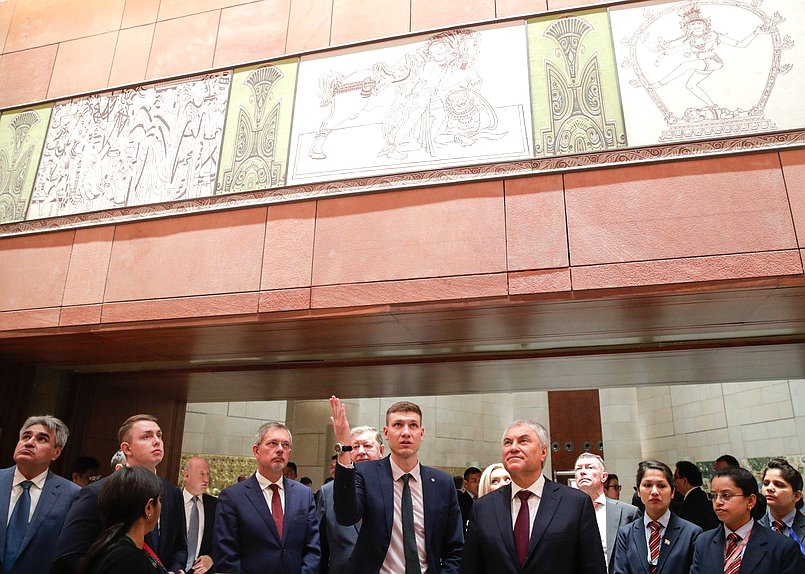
column 433, row 479
column 667, row 542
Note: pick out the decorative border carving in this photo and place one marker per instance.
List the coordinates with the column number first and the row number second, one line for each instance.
column 609, row 158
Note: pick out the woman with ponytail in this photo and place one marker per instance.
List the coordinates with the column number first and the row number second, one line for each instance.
column 129, row 505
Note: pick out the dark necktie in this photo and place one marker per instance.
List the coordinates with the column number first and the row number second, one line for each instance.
column 192, row 533
column 409, row 535
column 17, row 525
column 654, row 544
column 732, row 563
column 778, row 526
column 276, row 508
column 521, row 526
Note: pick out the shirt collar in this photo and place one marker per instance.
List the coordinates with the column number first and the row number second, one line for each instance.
column 397, row 472
column 535, row 488
column 788, row 519
column 691, row 490
column 664, row 519
column 602, row 499
column 743, row 531
column 188, row 496
column 38, row 480
column 264, row 482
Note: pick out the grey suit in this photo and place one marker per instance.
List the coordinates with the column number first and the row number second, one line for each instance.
column 618, row 514
column 38, row 549
column 337, row 542
column 799, row 528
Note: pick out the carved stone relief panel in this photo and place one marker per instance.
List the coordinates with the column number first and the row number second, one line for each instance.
column 258, row 126
column 709, row 68
column 22, row 135
column 132, row 147
column 451, row 98
column 574, row 88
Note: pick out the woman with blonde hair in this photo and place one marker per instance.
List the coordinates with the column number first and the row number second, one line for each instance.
column 492, row 478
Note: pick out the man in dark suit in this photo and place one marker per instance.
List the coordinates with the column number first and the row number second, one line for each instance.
column 532, row 525
column 337, row 541
column 695, row 507
column 782, row 484
column 591, row 475
column 741, row 546
column 141, row 441
column 33, row 499
column 725, row 460
column 411, row 520
column 469, row 492
column 659, row 541
column 266, row 524
column 199, row 509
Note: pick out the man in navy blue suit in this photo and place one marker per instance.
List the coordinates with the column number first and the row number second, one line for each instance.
column 140, row 440
column 267, row 524
column 532, row 525
column 33, row 500
column 410, row 517
column 741, row 545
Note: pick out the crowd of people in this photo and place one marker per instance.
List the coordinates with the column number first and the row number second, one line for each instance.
column 388, row 514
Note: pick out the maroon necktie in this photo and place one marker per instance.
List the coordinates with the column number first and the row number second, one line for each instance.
column 778, row 526
column 732, row 563
column 276, row 507
column 654, row 543
column 521, row 527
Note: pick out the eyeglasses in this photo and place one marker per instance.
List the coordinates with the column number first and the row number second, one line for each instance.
column 272, row 444
column 725, row 496
column 615, row 486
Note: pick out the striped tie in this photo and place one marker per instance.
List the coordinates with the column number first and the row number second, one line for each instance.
column 654, row 544
column 732, row 556
column 778, row 526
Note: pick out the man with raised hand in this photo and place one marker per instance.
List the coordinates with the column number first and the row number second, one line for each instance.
column 410, row 517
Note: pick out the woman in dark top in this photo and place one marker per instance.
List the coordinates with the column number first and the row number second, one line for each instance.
column 129, row 505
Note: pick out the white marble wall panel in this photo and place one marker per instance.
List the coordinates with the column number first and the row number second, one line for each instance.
column 453, row 98
column 709, row 68
column 136, row 146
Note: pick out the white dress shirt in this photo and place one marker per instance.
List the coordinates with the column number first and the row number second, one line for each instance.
column 395, row 555
column 663, row 520
column 744, row 532
column 533, row 502
column 268, row 493
column 188, row 506
column 16, row 492
column 600, row 506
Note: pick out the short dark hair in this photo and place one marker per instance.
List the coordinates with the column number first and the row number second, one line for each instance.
column 790, row 474
column 84, row 464
column 470, row 471
column 729, row 460
column 742, row 478
column 610, row 477
column 647, row 465
column 125, row 428
column 306, row 481
column 292, row 465
column 689, row 471
column 458, row 482
column 404, row 407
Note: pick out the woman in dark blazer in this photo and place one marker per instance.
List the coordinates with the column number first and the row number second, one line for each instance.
column 673, row 543
column 130, row 506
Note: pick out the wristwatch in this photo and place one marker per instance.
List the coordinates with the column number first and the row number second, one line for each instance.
column 339, row 448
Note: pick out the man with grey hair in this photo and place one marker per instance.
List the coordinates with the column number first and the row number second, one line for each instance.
column 118, row 460
column 591, row 474
column 266, row 524
column 28, row 528
column 533, row 524
column 337, row 541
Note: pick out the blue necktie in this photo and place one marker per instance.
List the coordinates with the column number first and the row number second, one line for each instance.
column 15, row 533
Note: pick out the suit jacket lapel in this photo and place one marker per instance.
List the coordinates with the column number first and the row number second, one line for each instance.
column 503, row 518
column 671, row 536
column 291, row 501
column 386, row 482
column 429, row 501
column 6, row 478
column 547, row 508
column 639, row 540
column 755, row 550
column 49, row 496
column 716, row 555
column 258, row 500
column 613, row 513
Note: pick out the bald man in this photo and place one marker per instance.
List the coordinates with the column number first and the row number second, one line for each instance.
column 199, row 510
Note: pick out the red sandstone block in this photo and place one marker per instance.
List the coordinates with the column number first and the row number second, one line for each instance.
column 89, row 263
column 536, row 229
column 309, row 25
column 548, row 281
column 506, row 8
column 183, row 45
column 33, row 270
column 25, row 75
column 687, row 270
column 181, row 256
column 83, row 65
column 284, row 300
column 288, row 253
column 431, row 232
column 682, row 209
column 357, row 20
column 254, row 31
column 31, row 319
column 131, row 55
column 393, row 292
column 139, row 13
column 80, row 315
column 181, row 308
column 169, row 9
column 426, row 14
column 794, row 172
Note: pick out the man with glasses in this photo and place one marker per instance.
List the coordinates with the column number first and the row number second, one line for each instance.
column 612, row 487
column 741, row 545
column 695, row 507
column 266, row 524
